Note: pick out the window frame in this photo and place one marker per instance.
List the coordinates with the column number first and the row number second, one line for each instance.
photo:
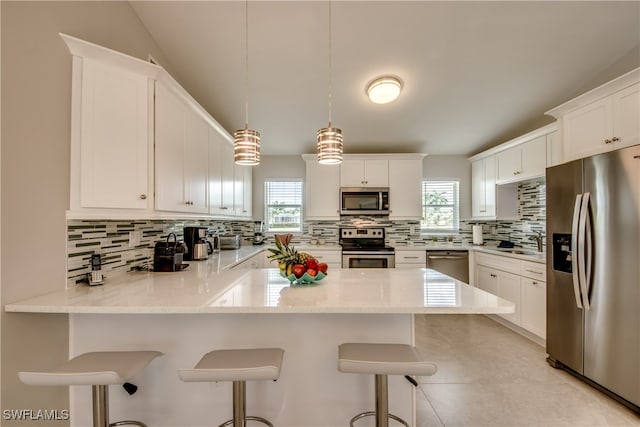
column 455, row 226
column 267, row 223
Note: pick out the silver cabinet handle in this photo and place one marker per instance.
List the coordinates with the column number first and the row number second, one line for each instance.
column 615, row 139
column 143, row 196
column 534, row 272
column 445, row 257
column 608, row 141
column 493, row 275
column 410, row 257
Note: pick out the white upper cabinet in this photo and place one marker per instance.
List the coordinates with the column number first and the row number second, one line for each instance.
column 523, row 161
column 405, row 189
column 364, row 173
column 111, row 145
column 483, row 187
column 182, row 155
column 603, row 119
column 322, row 190
column 242, row 190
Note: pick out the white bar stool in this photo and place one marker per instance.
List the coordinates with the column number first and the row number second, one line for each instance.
column 238, row 366
column 99, row 370
column 382, row 360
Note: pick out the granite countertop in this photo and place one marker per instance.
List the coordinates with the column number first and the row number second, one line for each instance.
column 205, row 288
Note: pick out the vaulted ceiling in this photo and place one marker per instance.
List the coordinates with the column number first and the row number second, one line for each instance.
column 474, row 73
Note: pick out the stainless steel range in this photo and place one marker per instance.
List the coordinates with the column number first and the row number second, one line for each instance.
column 365, row 248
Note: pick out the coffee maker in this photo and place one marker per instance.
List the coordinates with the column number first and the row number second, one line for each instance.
column 258, row 234
column 198, row 247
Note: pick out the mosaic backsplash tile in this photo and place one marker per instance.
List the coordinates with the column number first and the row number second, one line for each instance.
column 110, row 238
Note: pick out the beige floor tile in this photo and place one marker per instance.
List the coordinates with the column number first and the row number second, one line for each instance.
column 490, row 376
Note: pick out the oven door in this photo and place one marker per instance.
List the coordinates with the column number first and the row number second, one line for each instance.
column 369, row 259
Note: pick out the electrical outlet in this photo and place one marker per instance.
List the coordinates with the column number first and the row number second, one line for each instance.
column 134, row 238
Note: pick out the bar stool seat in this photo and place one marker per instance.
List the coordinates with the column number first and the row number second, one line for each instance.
column 382, row 360
column 237, row 366
column 99, row 370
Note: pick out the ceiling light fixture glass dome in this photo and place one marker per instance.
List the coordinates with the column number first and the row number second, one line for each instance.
column 384, row 89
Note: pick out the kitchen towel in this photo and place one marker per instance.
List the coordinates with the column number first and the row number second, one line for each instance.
column 477, row 235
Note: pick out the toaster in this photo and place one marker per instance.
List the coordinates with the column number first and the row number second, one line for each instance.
column 229, row 241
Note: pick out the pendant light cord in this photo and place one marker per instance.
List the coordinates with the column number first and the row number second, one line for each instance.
column 246, row 63
column 330, row 98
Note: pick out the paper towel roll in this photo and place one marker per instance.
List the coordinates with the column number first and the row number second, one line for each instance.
column 477, row 235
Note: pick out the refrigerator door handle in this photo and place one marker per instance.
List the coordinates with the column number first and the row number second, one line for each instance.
column 584, row 262
column 574, row 250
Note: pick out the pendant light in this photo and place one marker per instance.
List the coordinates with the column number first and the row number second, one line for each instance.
column 329, row 138
column 246, row 142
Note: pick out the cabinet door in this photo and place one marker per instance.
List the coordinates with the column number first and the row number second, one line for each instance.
column 114, row 140
column 376, row 173
column 364, row 173
column 509, row 289
column 534, row 158
column 554, row 149
column 487, row 279
column 322, row 191
column 405, row 189
column 171, row 123
column 534, row 306
column 626, row 116
column 352, row 173
column 242, row 191
column 586, row 129
column 248, row 192
column 196, row 161
column 483, row 187
column 509, row 164
column 216, row 141
column 228, row 179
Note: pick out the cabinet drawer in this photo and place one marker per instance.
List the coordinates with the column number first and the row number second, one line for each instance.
column 534, row 270
column 411, row 257
column 507, row 264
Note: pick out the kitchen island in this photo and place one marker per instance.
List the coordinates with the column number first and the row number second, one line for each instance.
column 188, row 313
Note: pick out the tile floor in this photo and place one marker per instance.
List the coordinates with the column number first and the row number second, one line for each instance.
column 490, row 376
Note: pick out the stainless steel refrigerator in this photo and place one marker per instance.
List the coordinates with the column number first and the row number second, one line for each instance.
column 593, row 271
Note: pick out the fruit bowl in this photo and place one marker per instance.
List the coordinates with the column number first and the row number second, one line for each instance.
column 305, row 279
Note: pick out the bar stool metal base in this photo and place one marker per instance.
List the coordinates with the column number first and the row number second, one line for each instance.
column 100, row 397
column 240, row 417
column 382, row 405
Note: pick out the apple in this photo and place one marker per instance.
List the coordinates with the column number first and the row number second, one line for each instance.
column 298, row 270
column 323, row 267
column 312, row 263
column 311, row 272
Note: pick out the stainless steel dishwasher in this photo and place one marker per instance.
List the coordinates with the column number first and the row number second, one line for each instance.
column 453, row 263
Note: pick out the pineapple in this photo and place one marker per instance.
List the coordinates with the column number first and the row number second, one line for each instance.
column 286, row 256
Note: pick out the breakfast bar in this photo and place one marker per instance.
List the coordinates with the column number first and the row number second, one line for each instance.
column 186, row 314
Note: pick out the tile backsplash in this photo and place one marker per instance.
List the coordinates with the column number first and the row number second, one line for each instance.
column 110, row 238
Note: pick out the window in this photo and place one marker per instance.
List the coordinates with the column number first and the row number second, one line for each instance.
column 440, row 207
column 283, row 205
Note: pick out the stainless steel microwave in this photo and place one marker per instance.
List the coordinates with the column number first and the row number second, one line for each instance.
column 364, row 201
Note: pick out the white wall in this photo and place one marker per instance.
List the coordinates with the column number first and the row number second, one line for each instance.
column 36, row 102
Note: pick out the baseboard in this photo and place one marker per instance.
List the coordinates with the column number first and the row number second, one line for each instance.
column 517, row 329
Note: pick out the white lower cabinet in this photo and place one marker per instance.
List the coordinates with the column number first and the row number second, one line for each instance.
column 411, row 259
column 519, row 281
column 534, row 306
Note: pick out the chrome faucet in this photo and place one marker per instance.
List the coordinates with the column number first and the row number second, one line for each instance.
column 538, row 239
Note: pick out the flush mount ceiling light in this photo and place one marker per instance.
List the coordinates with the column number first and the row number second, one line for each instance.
column 384, row 89
column 246, row 142
column 329, row 139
